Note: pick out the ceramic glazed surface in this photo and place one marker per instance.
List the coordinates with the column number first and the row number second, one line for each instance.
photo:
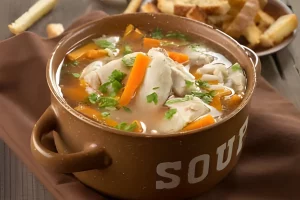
column 143, row 166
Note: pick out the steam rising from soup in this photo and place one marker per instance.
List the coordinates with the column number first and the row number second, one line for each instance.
column 157, row 82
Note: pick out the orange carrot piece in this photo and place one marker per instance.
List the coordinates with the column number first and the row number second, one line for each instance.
column 77, row 53
column 216, row 102
column 150, row 43
column 93, row 53
column 178, row 57
column 77, row 93
column 139, row 128
column 96, row 115
column 135, row 78
column 129, row 29
column 200, row 123
column 213, row 82
column 234, row 101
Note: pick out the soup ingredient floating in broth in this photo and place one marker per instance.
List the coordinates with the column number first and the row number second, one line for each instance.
column 153, row 82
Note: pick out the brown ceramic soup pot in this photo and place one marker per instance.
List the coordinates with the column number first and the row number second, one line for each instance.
column 143, row 166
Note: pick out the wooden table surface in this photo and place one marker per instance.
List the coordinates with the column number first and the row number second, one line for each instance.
column 17, row 183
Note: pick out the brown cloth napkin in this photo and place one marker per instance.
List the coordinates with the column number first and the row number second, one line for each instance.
column 269, row 167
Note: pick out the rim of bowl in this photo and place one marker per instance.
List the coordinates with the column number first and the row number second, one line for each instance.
column 63, row 103
column 286, row 41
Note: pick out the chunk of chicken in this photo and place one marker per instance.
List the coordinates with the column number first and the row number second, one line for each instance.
column 90, row 75
column 236, row 80
column 157, row 79
column 197, row 56
column 188, row 109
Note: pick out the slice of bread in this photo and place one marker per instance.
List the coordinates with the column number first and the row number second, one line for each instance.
column 243, row 19
column 252, row 33
column 149, row 8
column 197, row 13
column 214, row 7
column 279, row 30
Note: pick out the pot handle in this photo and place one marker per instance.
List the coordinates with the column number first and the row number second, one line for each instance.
column 93, row 157
column 254, row 58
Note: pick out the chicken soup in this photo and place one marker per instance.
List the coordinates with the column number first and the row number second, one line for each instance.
column 154, row 82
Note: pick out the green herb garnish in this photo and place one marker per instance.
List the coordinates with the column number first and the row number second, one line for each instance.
column 176, row 35
column 169, row 114
column 177, row 100
column 196, row 47
column 188, row 83
column 127, row 50
column 105, row 114
column 93, row 98
column 116, row 86
column 236, row 67
column 202, row 84
column 207, row 97
column 75, row 63
column 157, row 34
column 117, row 75
column 152, row 98
column 127, row 127
column 128, row 61
column 76, row 75
column 107, row 102
column 127, row 109
column 103, row 88
column 105, row 44
column 155, row 88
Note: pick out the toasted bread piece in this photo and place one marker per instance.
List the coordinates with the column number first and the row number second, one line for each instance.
column 197, row 13
column 218, row 19
column 35, row 12
column 54, row 30
column 237, row 4
column 243, row 19
column 279, row 30
column 252, row 33
column 149, row 8
column 133, row 6
column 216, row 7
column 264, row 20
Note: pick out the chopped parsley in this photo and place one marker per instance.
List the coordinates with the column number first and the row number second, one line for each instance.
column 236, row 67
column 207, row 97
column 128, row 61
column 116, row 86
column 176, row 35
column 169, row 114
column 105, row 44
column 188, row 83
column 127, row 127
column 105, row 114
column 103, row 88
column 155, row 88
column 93, row 98
column 202, row 84
column 127, row 50
column 105, row 102
column 117, row 75
column 177, row 100
column 127, row 109
column 75, row 63
column 76, row 75
column 157, row 34
column 152, row 98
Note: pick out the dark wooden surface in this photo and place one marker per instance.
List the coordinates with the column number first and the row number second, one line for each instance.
column 17, row 183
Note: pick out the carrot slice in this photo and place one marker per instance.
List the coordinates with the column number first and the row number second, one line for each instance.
column 200, row 123
column 139, row 127
column 213, row 82
column 216, row 102
column 96, row 115
column 77, row 93
column 93, row 53
column 74, row 55
column 129, row 29
column 135, row 78
column 234, row 101
column 150, row 43
column 178, row 57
